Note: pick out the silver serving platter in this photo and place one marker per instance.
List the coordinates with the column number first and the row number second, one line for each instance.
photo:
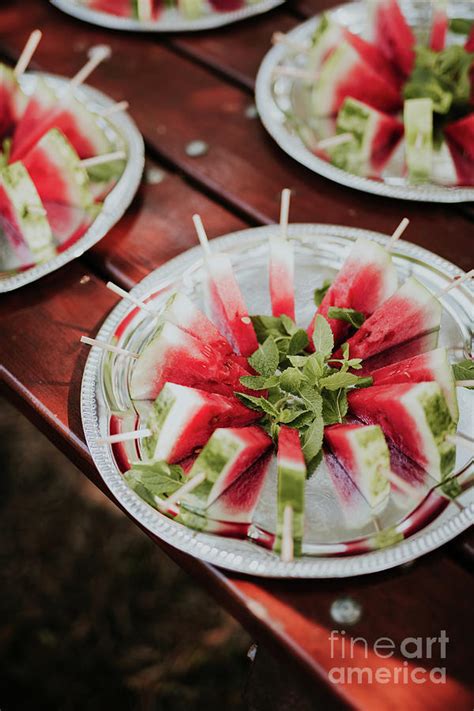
column 170, row 20
column 275, row 98
column 116, row 202
column 320, row 251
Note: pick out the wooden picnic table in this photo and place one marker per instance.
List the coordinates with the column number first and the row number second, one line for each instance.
column 189, row 87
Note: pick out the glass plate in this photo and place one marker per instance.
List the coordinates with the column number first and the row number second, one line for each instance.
column 123, row 130
column 334, row 545
column 276, row 98
column 170, row 21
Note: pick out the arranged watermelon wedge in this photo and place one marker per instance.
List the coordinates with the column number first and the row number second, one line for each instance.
column 415, row 417
column 40, row 105
column 363, row 452
column 68, row 223
column 281, row 277
column 411, row 312
column 228, row 453
column 80, row 126
column 182, row 312
column 390, row 32
column 356, row 512
column 418, row 121
column 226, row 305
column 375, row 137
column 11, row 101
column 23, row 218
column 366, row 279
column 427, row 367
column 177, row 357
column 401, row 351
column 120, row 8
column 344, row 74
column 439, row 25
column 239, row 501
column 460, row 137
column 329, row 35
column 55, row 168
column 291, row 485
column 183, row 418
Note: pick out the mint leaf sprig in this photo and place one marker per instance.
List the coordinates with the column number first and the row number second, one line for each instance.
column 150, row 479
column 304, row 391
column 464, row 370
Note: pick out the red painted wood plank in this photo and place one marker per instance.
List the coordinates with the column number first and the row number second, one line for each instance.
column 243, row 166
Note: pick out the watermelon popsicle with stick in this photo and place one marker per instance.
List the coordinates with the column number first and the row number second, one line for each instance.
column 290, row 496
column 226, row 455
column 224, row 299
column 388, row 29
column 282, row 265
column 366, row 279
column 27, row 236
column 415, row 417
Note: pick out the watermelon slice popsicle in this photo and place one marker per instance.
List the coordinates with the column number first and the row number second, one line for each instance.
column 439, row 25
column 411, row 312
column 345, row 73
column 227, row 454
column 355, row 510
column 177, row 357
column 282, row 265
column 183, row 418
column 366, row 279
column 224, row 298
column 23, row 219
column 291, row 486
column 426, row 367
column 415, row 417
column 390, row 32
column 12, row 99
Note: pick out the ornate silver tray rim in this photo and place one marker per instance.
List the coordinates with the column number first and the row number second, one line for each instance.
column 171, row 21
column 237, row 555
column 116, row 201
column 273, row 119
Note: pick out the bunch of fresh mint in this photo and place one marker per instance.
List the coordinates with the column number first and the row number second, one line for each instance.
column 305, row 391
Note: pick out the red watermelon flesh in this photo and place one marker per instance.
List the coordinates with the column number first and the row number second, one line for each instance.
column 392, row 35
column 79, row 125
column 439, row 29
column 68, row 223
column 345, row 74
column 121, row 8
column 386, row 138
column 426, row 367
column 408, row 349
column 10, row 95
column 469, row 46
column 226, row 305
column 372, row 55
column 182, row 312
column 282, row 267
column 415, row 417
column 463, row 163
column 238, row 502
column 460, row 138
column 412, row 311
column 40, row 105
column 366, row 279
column 183, row 418
column 227, row 5
column 177, row 357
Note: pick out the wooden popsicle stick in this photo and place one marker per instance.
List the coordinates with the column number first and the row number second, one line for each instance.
column 281, row 38
column 104, row 158
column 462, row 441
column 107, row 347
column 294, row 72
column 190, row 485
column 287, row 546
column 465, row 383
column 376, row 523
column 333, row 141
column 284, row 212
column 28, row 50
column 129, row 297
column 454, row 283
column 125, row 436
column 398, row 233
column 201, row 233
column 114, row 109
column 96, row 55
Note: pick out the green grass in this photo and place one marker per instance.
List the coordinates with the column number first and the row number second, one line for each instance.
column 94, row 615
